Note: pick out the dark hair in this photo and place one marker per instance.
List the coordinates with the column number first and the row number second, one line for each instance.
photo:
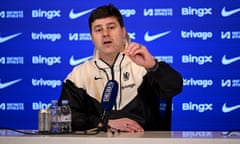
column 103, row 12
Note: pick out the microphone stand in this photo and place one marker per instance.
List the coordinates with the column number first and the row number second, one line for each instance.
column 103, row 124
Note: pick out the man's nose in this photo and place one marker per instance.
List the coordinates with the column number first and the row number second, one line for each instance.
column 105, row 32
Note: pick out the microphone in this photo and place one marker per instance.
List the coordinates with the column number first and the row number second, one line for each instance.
column 108, row 101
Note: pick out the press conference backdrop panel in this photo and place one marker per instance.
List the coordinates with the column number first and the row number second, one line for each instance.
column 41, row 41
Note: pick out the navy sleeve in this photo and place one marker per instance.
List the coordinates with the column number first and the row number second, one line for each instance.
column 165, row 81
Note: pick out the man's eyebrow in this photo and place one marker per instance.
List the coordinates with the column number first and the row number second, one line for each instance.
column 111, row 23
column 100, row 25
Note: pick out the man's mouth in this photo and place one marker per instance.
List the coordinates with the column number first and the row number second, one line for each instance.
column 107, row 42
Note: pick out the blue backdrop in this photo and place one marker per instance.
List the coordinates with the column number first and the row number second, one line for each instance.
column 41, row 41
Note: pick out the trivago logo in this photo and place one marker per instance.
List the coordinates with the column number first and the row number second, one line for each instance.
column 196, row 35
column 46, row 36
column 128, row 12
column 197, row 82
column 46, row 83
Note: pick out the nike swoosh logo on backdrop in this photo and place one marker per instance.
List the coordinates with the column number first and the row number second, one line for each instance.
column 7, row 84
column 227, row 109
column 226, row 61
column 226, row 13
column 148, row 38
column 6, row 38
column 73, row 15
column 74, row 62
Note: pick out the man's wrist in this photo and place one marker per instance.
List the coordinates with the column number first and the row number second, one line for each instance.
column 154, row 68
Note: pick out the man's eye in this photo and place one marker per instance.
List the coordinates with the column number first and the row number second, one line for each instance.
column 98, row 30
column 111, row 27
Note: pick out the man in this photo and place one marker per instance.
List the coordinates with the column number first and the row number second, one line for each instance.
column 142, row 79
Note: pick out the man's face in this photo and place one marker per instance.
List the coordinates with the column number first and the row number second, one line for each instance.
column 108, row 36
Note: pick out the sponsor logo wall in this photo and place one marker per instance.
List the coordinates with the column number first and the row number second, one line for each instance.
column 40, row 42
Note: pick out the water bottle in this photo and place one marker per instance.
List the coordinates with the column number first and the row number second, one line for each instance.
column 66, row 117
column 54, row 110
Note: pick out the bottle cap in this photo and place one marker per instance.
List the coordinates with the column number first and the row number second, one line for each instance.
column 64, row 101
column 54, row 101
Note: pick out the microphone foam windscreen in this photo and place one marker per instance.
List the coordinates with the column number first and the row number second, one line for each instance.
column 109, row 95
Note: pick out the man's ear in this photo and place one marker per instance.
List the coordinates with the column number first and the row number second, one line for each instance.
column 124, row 31
column 126, row 36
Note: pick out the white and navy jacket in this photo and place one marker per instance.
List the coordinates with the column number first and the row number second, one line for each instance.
column 138, row 93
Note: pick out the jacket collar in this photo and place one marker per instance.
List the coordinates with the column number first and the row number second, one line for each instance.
column 119, row 60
